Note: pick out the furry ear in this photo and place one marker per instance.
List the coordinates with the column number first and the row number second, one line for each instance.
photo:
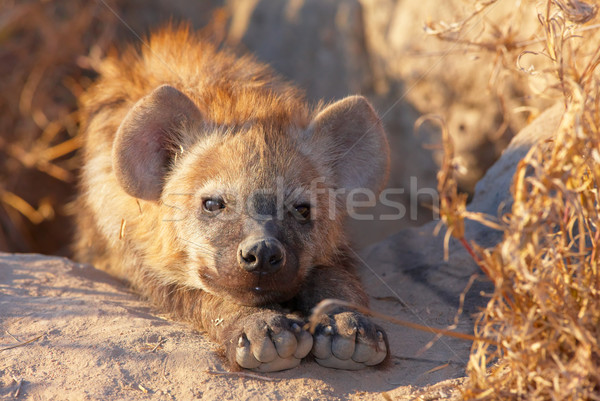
column 349, row 137
column 142, row 146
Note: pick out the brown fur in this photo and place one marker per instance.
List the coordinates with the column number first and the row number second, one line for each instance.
column 223, row 124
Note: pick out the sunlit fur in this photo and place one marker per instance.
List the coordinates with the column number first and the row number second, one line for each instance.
column 255, row 130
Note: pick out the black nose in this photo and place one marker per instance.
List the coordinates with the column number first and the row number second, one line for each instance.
column 262, row 255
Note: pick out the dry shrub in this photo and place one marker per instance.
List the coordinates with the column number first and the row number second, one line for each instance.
column 47, row 52
column 491, row 81
column 545, row 310
column 544, row 313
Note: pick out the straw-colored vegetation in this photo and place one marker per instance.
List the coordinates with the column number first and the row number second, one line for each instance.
column 544, row 313
column 47, row 52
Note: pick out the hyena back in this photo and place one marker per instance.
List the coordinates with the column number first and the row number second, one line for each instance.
column 210, row 186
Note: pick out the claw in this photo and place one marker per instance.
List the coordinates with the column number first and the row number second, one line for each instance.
column 381, row 343
column 328, row 331
column 264, row 350
column 342, row 347
column 285, row 343
column 362, row 352
column 296, row 328
column 305, row 344
column 381, row 351
column 244, row 356
column 322, row 346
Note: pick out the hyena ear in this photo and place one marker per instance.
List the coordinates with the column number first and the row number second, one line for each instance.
column 146, row 137
column 349, row 137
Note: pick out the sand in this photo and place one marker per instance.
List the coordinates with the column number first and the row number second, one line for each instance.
column 94, row 339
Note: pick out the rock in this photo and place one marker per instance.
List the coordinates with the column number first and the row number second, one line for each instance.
column 410, row 264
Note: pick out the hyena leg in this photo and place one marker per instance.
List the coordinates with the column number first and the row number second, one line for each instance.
column 343, row 339
column 261, row 339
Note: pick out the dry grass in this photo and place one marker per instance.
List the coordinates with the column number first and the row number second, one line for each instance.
column 47, row 53
column 545, row 309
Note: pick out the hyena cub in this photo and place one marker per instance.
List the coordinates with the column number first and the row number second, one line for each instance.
column 210, row 186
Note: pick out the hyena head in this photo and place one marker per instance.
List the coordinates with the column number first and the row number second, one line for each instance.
column 253, row 206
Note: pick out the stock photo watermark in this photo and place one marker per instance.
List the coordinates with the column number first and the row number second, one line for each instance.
column 315, row 202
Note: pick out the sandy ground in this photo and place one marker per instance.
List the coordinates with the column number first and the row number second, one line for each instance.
column 71, row 332
column 94, row 339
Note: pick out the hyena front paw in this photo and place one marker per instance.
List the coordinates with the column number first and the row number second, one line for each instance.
column 348, row 340
column 271, row 342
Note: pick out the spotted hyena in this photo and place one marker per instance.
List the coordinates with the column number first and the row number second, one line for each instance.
column 211, row 186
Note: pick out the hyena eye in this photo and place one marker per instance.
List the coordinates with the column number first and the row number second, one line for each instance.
column 213, row 204
column 302, row 212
